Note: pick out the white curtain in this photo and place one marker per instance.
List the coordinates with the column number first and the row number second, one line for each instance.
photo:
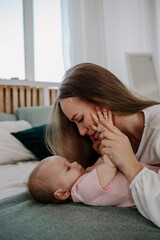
column 83, row 32
column 103, row 31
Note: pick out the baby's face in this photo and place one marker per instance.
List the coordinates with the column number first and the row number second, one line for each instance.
column 65, row 173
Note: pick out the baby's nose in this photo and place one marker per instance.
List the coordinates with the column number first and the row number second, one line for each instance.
column 74, row 164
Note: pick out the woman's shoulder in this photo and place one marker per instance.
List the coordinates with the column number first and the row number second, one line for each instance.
column 152, row 115
column 153, row 109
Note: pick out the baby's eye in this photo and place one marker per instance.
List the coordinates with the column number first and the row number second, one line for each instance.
column 68, row 168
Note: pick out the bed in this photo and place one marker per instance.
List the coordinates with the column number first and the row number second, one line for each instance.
column 23, row 118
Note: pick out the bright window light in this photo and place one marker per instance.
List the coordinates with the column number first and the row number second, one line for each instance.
column 11, row 39
column 48, row 41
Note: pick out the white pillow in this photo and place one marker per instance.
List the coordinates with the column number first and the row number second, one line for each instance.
column 14, row 126
column 11, row 149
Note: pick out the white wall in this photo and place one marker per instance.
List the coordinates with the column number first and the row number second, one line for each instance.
column 130, row 27
column 156, row 40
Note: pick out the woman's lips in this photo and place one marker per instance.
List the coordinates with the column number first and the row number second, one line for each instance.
column 93, row 135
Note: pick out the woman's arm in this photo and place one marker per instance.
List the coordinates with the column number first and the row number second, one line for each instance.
column 144, row 182
column 145, row 190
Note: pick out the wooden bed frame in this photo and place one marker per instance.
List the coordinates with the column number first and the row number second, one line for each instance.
column 20, row 93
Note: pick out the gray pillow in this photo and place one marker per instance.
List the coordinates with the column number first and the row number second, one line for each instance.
column 36, row 116
column 7, row 117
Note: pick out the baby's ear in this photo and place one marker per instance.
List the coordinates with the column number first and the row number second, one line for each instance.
column 62, row 194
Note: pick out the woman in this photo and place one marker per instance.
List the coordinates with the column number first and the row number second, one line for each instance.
column 136, row 130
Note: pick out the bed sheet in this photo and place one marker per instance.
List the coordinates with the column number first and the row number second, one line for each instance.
column 22, row 218
column 14, row 177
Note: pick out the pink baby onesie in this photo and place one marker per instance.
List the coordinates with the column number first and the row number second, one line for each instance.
column 88, row 190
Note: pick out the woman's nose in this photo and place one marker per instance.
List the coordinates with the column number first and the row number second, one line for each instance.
column 82, row 130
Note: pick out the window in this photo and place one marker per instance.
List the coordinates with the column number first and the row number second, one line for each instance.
column 11, row 40
column 48, row 41
column 48, row 52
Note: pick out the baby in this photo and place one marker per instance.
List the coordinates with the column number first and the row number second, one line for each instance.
column 56, row 180
column 53, row 179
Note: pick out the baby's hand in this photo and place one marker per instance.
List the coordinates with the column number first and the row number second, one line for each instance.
column 108, row 161
column 103, row 115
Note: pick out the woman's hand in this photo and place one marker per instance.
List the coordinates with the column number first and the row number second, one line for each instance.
column 104, row 116
column 117, row 146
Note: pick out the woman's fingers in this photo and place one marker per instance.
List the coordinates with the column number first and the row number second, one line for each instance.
column 94, row 127
column 94, row 117
column 110, row 116
column 105, row 150
column 105, row 114
column 107, row 143
column 119, row 149
column 97, row 126
column 99, row 113
column 110, row 127
column 108, row 135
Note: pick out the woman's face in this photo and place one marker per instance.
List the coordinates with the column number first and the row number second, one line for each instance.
column 78, row 112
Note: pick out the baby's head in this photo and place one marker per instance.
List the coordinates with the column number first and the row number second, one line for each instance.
column 52, row 180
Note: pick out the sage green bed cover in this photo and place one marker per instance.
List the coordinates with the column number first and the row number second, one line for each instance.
column 21, row 218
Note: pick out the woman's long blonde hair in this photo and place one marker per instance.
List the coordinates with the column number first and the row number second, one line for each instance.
column 94, row 84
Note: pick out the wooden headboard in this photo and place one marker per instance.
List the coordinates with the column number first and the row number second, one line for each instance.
column 19, row 93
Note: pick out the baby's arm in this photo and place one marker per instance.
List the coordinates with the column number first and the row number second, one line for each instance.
column 107, row 170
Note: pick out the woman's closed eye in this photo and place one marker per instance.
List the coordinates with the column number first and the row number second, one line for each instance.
column 81, row 120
